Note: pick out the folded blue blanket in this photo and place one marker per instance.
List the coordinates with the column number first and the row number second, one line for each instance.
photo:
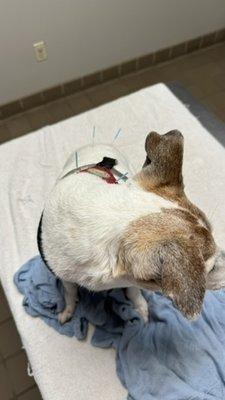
column 170, row 358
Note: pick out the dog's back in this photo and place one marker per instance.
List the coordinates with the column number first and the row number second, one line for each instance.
column 85, row 218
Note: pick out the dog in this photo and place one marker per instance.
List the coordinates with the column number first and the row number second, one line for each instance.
column 139, row 233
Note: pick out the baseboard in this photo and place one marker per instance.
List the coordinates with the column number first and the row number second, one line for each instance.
column 114, row 72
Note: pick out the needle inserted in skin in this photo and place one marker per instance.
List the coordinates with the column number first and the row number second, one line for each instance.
column 76, row 157
column 122, row 177
column 117, row 134
column 93, row 135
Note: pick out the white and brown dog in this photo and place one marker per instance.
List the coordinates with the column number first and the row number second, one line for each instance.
column 142, row 233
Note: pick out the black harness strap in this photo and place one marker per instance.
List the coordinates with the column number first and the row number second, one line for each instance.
column 40, row 245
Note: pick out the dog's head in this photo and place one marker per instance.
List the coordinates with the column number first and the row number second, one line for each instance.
column 173, row 250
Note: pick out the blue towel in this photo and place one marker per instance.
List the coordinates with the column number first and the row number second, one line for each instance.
column 170, row 358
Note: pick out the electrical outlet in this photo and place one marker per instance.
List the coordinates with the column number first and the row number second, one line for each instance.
column 40, row 51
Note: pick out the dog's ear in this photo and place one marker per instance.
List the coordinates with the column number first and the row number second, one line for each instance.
column 183, row 277
column 152, row 140
column 164, row 159
column 173, row 265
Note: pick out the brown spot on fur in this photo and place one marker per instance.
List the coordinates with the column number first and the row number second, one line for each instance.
column 205, row 238
column 163, row 248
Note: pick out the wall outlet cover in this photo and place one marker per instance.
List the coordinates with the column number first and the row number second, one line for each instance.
column 40, row 51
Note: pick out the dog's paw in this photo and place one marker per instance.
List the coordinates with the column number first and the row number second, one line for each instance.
column 65, row 315
column 142, row 308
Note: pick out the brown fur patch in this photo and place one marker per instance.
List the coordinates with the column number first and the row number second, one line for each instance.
column 163, row 249
column 166, row 155
column 163, row 176
column 169, row 248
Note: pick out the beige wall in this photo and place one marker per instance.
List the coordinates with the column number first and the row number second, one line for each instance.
column 84, row 36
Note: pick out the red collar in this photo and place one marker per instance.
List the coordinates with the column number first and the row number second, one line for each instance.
column 103, row 172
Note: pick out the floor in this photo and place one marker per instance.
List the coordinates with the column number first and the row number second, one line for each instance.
column 202, row 73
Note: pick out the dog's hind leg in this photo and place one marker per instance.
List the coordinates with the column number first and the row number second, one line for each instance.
column 134, row 294
column 70, row 293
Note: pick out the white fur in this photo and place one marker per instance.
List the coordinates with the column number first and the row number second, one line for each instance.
column 84, row 219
